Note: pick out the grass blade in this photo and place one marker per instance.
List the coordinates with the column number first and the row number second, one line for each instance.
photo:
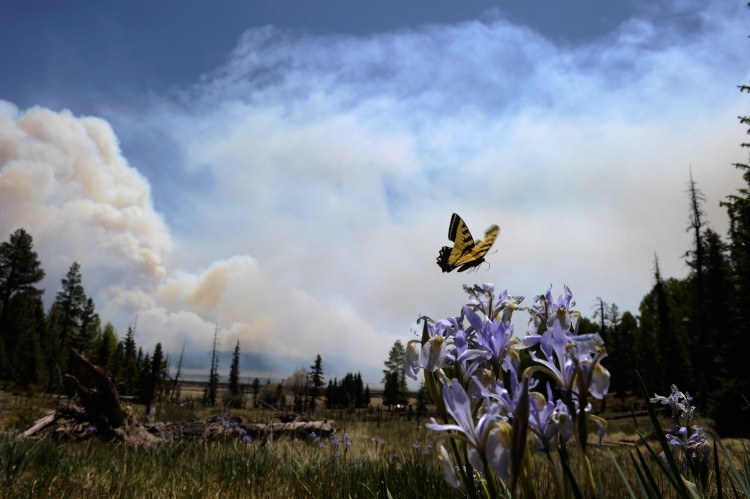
column 646, row 489
column 622, row 475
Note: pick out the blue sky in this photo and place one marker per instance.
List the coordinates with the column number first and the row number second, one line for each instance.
column 287, row 170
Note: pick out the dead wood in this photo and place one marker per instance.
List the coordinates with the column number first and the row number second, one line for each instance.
column 101, row 412
column 220, row 427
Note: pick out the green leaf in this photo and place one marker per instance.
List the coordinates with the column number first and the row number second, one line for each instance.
column 622, row 475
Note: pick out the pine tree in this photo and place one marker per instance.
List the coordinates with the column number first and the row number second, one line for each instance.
column 20, row 270
column 675, row 366
column 730, row 399
column 366, row 396
column 152, row 376
column 316, row 380
column 71, row 300
column 697, row 327
column 395, row 390
column 331, row 393
column 105, row 347
column 28, row 360
column 212, row 388
column 624, row 351
column 130, row 363
column 89, row 330
column 235, row 389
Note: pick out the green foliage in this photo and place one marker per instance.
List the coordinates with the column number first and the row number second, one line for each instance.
column 316, row 380
column 349, row 394
column 395, row 390
column 235, row 388
column 22, row 321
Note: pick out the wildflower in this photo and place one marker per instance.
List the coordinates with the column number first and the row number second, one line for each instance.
column 549, row 421
column 687, row 440
column 495, row 342
column 431, row 351
column 315, row 438
column 449, row 470
column 587, row 351
column 483, row 300
column 488, row 439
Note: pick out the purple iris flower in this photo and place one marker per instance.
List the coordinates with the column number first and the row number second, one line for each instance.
column 488, row 439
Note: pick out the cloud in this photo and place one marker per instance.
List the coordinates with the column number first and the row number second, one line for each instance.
column 329, row 167
column 64, row 180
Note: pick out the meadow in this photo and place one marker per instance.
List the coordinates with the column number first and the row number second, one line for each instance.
column 372, row 454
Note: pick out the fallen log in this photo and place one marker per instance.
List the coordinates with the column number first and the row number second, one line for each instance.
column 101, row 412
column 220, row 427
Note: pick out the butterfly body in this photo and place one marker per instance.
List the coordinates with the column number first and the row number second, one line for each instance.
column 465, row 253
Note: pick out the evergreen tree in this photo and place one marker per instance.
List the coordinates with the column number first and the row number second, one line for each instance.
column 316, row 380
column 212, row 388
column 623, row 344
column 89, row 330
column 662, row 339
column 395, row 390
column 129, row 363
column 359, row 392
column 153, row 374
column 366, row 396
column 27, row 320
column 105, row 346
column 697, row 333
column 20, row 270
column 235, row 389
column 331, row 393
column 729, row 401
column 71, row 300
column 65, row 323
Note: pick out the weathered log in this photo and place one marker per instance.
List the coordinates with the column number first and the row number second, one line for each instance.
column 102, row 413
column 40, row 424
column 218, row 427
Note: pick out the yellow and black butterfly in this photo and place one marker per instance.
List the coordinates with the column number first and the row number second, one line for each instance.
column 465, row 253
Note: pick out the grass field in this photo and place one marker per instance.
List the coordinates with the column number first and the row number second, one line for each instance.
column 371, row 454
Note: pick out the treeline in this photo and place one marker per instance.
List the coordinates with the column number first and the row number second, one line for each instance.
column 692, row 332
column 350, row 393
column 35, row 345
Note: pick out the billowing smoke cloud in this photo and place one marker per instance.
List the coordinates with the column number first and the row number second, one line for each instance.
column 64, row 180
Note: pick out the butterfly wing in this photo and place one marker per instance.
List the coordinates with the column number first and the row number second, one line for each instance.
column 459, row 233
column 465, row 253
column 475, row 256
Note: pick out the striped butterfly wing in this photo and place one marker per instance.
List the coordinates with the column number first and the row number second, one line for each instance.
column 465, row 253
column 475, row 256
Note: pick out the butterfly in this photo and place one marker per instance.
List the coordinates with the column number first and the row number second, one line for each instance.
column 465, row 253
